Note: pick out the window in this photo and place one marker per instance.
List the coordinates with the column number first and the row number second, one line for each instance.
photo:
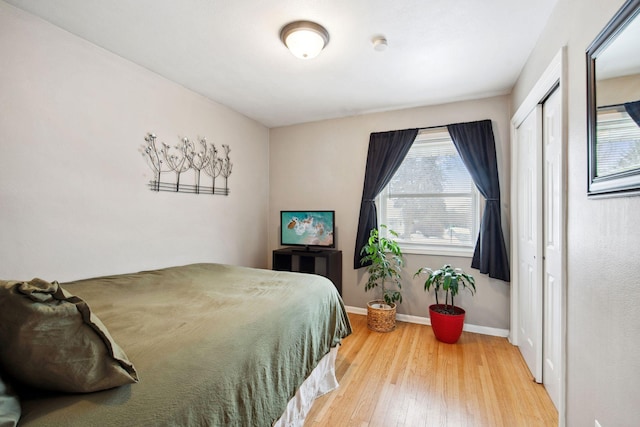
column 618, row 146
column 432, row 202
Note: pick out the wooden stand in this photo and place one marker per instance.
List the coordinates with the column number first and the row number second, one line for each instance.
column 325, row 262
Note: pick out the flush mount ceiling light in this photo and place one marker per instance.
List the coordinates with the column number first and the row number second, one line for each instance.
column 305, row 39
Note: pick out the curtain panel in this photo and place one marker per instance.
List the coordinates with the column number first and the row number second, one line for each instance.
column 633, row 109
column 476, row 145
column 386, row 152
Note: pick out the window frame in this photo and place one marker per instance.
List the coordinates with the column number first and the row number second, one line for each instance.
column 440, row 136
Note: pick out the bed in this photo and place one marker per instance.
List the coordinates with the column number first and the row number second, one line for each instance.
column 208, row 344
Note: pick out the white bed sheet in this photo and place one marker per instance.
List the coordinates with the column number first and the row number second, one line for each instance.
column 321, row 381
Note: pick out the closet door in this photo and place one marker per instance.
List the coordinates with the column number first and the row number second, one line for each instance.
column 529, row 201
column 553, row 242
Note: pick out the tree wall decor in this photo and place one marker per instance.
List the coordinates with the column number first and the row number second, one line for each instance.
column 187, row 158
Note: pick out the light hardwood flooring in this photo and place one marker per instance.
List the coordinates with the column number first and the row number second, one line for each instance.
column 408, row 378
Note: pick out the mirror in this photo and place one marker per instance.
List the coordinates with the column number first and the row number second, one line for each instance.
column 613, row 103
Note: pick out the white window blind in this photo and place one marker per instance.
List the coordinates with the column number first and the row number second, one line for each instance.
column 618, row 146
column 432, row 202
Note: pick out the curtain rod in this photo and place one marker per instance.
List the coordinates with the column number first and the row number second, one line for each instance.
column 435, row 127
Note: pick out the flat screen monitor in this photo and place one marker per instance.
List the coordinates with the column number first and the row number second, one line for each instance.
column 307, row 228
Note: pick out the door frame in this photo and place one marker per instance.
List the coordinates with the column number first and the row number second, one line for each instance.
column 555, row 74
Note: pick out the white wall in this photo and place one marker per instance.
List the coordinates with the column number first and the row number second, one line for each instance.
column 618, row 90
column 73, row 195
column 321, row 165
column 603, row 312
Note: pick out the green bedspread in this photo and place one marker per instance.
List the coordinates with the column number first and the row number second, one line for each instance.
column 214, row 345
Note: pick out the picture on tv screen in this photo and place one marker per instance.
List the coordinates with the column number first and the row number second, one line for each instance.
column 307, row 228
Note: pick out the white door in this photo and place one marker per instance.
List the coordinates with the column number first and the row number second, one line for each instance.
column 529, row 202
column 538, row 194
column 553, row 242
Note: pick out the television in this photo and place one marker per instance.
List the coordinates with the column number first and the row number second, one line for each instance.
column 308, row 228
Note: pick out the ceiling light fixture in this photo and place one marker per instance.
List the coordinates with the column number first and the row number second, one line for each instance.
column 305, row 39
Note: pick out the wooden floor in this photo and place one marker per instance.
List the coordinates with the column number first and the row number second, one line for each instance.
column 408, row 378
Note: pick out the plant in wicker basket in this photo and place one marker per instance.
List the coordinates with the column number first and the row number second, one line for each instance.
column 385, row 260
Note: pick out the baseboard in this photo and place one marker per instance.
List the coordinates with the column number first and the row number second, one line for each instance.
column 484, row 330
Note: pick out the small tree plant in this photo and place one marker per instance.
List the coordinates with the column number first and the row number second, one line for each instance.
column 386, row 264
column 450, row 280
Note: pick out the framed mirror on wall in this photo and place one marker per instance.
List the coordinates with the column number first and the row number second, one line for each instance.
column 613, row 106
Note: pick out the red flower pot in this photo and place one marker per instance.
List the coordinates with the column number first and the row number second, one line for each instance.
column 446, row 327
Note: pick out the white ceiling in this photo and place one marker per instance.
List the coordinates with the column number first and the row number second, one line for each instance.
column 229, row 50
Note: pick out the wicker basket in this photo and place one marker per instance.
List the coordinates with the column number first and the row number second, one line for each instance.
column 381, row 317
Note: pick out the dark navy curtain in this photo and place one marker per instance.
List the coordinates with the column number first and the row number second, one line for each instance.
column 386, row 152
column 633, row 109
column 476, row 146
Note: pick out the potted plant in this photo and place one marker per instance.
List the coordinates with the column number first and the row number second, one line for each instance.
column 447, row 320
column 386, row 264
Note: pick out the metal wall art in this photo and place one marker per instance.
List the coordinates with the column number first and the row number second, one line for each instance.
column 184, row 158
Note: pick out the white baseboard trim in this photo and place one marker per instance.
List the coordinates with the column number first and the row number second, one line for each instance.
column 484, row 330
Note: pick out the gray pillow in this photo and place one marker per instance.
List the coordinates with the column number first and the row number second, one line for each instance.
column 51, row 340
column 9, row 407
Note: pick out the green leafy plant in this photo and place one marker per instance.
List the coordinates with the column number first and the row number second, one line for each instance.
column 386, row 264
column 449, row 280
